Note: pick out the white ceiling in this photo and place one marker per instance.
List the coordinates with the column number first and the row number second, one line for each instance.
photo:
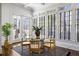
column 37, row 6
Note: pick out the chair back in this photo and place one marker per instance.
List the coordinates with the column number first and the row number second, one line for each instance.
column 35, row 44
column 52, row 42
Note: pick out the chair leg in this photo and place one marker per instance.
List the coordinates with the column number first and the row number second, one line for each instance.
column 49, row 50
column 55, row 51
column 30, row 52
column 39, row 52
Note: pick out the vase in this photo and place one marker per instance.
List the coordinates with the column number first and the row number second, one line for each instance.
column 7, row 51
column 37, row 34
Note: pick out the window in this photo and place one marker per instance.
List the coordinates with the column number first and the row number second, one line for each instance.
column 42, row 24
column 68, row 24
column 65, row 25
column 48, row 25
column 51, row 26
column 77, row 4
column 35, row 22
column 61, row 25
column 26, row 26
column 21, row 27
column 16, row 30
column 77, row 24
column 46, row 28
column 68, row 7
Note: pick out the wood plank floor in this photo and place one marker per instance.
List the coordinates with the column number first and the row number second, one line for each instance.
column 65, row 50
column 59, row 52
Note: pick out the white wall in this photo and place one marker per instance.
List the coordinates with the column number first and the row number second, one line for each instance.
column 0, row 25
column 9, row 10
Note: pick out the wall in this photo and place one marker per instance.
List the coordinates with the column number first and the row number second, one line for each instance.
column 0, row 25
column 8, row 11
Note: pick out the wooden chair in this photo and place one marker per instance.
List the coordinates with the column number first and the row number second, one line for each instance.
column 26, row 42
column 50, row 45
column 35, row 46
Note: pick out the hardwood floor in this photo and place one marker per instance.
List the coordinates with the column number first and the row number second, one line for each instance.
column 73, row 52
column 59, row 52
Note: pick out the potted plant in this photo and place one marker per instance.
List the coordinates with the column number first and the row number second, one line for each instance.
column 6, row 30
column 37, row 31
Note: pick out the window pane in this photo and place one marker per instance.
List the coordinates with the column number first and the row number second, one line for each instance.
column 62, row 25
column 41, row 24
column 53, row 25
column 35, row 22
column 26, row 27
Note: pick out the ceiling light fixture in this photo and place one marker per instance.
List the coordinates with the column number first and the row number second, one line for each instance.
column 42, row 3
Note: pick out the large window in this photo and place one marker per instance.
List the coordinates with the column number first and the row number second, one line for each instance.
column 16, row 31
column 65, row 25
column 51, row 26
column 61, row 25
column 42, row 24
column 26, row 26
column 77, row 25
column 21, row 27
column 68, row 20
column 54, row 19
column 35, row 22
column 48, row 25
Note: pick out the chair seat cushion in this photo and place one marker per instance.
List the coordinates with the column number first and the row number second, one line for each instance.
column 49, row 45
column 26, row 42
column 47, row 40
column 35, row 46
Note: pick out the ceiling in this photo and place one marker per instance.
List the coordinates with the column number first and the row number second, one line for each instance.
column 37, row 6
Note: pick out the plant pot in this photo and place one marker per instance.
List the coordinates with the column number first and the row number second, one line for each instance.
column 6, row 43
column 37, row 34
column 7, row 51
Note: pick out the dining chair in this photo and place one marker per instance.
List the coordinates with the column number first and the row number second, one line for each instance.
column 35, row 46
